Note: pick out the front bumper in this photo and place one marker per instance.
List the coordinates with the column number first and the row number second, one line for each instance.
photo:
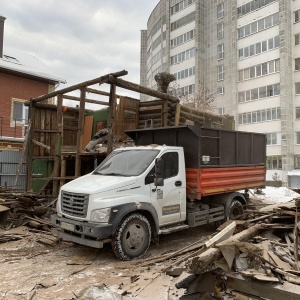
column 88, row 234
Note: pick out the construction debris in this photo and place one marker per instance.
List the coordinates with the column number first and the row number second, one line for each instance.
column 264, row 249
column 18, row 209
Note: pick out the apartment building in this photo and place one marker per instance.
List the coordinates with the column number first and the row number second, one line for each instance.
column 247, row 54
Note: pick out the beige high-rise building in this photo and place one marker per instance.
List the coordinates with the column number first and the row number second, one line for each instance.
column 247, row 54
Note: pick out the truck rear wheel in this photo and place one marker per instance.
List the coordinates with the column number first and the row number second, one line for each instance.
column 132, row 237
column 235, row 210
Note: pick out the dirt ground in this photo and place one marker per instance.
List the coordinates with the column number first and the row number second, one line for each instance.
column 32, row 270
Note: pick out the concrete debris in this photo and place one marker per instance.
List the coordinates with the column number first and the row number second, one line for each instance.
column 98, row 293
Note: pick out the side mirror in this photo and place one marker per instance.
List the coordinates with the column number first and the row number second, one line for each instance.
column 159, row 181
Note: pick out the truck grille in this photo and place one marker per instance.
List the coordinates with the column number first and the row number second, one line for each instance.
column 74, row 204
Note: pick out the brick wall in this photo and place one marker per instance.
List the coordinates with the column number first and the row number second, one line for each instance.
column 17, row 88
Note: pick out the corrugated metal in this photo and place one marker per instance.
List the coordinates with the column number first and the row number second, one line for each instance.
column 203, row 182
column 9, row 160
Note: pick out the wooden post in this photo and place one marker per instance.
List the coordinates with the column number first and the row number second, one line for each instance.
column 21, row 157
column 80, row 132
column 164, row 121
column 56, row 168
column 112, row 100
column 62, row 170
column 177, row 114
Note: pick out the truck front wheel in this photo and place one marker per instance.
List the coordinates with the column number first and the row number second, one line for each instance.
column 132, row 237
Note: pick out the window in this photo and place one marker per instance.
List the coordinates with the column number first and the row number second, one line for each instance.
column 297, row 16
column 297, row 39
column 259, row 70
column 221, row 51
column 221, row 110
column 170, row 164
column 220, row 90
column 221, row 72
column 297, row 64
column 270, row 114
column 297, row 88
column 297, row 161
column 251, row 6
column 20, row 112
column 274, row 138
column 259, row 25
column 220, row 29
column 220, row 11
column 274, row 162
column 298, row 137
column 297, row 112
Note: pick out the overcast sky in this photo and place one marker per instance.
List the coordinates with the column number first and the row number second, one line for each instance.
column 79, row 39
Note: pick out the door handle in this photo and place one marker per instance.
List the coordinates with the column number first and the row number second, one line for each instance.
column 178, row 183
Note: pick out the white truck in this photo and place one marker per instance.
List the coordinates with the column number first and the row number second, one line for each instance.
column 138, row 193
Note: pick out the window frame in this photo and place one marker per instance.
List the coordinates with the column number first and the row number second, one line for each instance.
column 220, row 11
column 23, row 118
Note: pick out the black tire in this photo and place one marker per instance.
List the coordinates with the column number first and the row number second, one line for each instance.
column 132, row 237
column 235, row 210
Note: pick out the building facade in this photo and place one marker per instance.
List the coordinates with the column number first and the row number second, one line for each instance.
column 22, row 76
column 244, row 52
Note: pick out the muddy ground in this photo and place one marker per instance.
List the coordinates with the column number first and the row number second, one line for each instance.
column 32, row 270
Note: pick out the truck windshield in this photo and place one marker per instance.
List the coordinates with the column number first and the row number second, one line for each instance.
column 126, row 162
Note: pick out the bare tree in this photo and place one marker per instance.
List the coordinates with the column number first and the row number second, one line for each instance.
column 200, row 100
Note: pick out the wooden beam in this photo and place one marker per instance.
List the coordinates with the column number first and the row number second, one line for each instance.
column 86, row 100
column 112, row 100
column 41, row 144
column 100, row 80
column 95, row 91
column 140, row 89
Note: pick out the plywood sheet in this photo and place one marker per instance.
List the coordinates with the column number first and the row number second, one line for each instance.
column 87, row 131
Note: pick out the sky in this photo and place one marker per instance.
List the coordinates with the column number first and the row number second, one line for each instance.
column 79, row 39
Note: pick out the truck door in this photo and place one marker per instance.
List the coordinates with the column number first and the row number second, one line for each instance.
column 167, row 199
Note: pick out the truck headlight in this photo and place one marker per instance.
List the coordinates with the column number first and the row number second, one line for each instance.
column 100, row 215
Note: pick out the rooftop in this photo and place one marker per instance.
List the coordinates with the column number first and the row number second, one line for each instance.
column 19, row 62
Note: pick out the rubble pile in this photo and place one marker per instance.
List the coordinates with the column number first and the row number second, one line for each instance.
column 23, row 209
column 260, row 260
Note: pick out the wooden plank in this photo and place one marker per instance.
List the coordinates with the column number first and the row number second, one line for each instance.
column 280, row 263
column 87, row 130
column 80, row 131
column 286, row 290
column 42, row 136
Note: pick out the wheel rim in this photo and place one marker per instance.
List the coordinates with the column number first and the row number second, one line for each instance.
column 134, row 237
column 235, row 213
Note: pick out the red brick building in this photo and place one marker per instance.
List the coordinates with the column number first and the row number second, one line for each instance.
column 22, row 76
